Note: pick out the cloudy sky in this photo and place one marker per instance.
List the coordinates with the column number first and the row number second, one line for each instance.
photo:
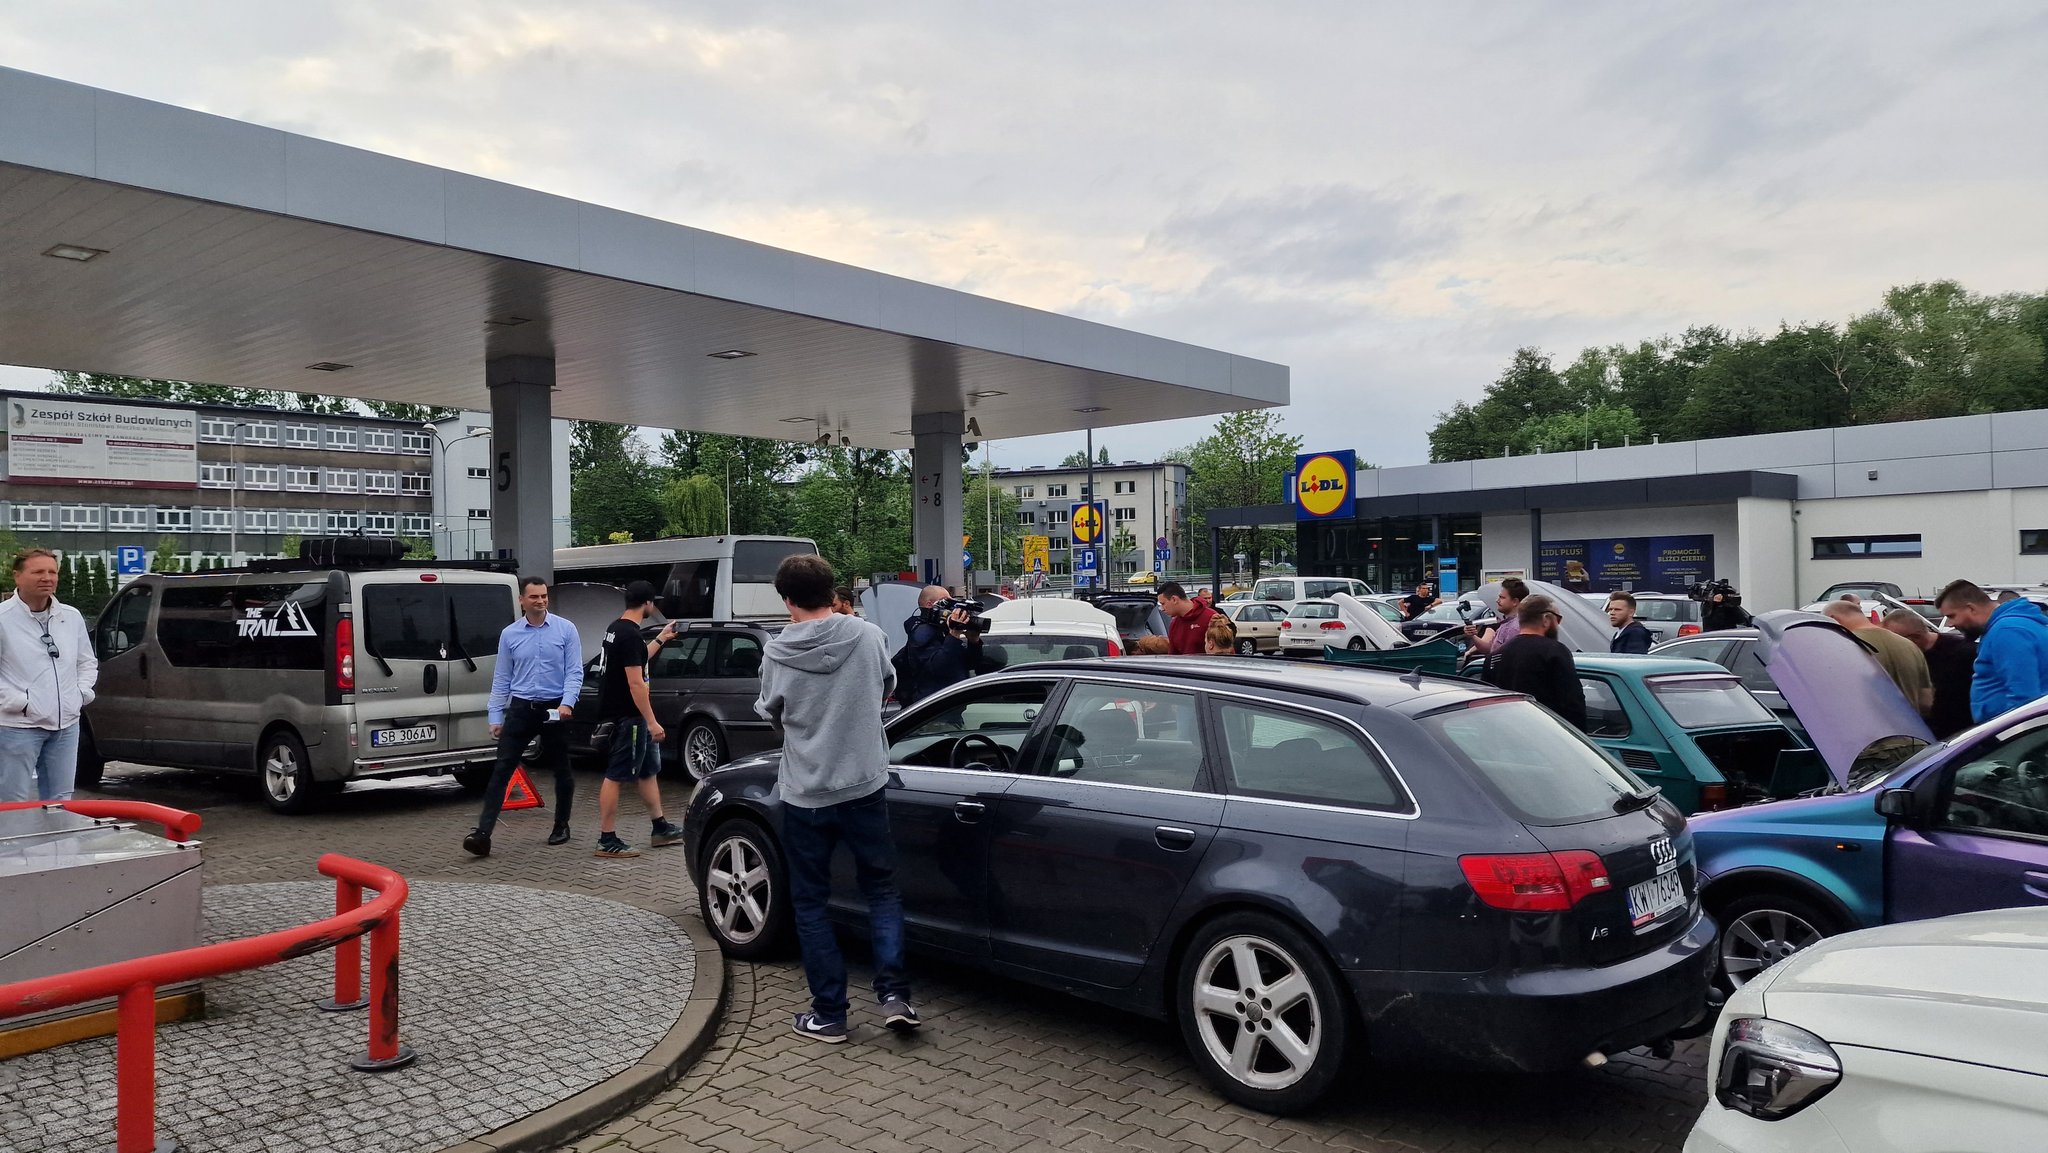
column 1389, row 198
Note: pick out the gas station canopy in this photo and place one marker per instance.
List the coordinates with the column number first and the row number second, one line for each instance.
column 143, row 239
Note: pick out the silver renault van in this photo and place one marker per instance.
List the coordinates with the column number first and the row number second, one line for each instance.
column 305, row 676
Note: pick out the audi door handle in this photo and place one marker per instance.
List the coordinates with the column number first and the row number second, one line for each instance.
column 1177, row 840
column 968, row 812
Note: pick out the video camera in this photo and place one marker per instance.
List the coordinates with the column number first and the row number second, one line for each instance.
column 1707, row 590
column 936, row 615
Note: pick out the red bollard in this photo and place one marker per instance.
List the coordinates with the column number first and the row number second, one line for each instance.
column 385, row 1052
column 135, row 1073
column 348, row 956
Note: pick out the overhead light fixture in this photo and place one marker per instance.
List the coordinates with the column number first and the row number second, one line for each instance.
column 508, row 321
column 78, row 252
column 1092, row 408
column 730, row 354
column 329, row 366
column 985, row 393
column 798, row 419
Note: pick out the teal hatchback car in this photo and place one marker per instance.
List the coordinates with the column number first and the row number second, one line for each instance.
column 1692, row 729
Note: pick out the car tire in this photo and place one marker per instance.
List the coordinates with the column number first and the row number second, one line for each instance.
column 473, row 778
column 1356, row 644
column 1230, row 1025
column 285, row 774
column 92, row 768
column 1761, row 929
column 700, row 749
column 1247, row 647
column 743, row 891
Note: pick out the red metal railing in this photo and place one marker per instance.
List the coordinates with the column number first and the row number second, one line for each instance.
column 135, row 981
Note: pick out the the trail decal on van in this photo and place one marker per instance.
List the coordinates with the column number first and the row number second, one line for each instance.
column 284, row 619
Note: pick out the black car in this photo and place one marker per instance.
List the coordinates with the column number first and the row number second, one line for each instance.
column 1294, row 862
column 702, row 684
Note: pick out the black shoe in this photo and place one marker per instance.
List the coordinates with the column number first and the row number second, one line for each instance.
column 477, row 844
column 664, row 834
column 560, row 836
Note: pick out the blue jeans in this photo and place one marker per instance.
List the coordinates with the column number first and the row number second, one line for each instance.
column 809, row 838
column 38, row 764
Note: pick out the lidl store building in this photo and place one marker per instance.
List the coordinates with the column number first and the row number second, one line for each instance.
column 1782, row 515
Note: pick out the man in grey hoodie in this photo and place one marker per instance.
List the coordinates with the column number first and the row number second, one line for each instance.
column 823, row 680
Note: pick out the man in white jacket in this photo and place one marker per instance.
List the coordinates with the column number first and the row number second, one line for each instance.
column 47, row 673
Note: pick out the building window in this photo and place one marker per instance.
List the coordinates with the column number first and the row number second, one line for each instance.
column 260, row 432
column 344, row 521
column 343, row 439
column 216, row 520
column 216, row 476
column 302, row 480
column 381, row 483
column 1844, row 547
column 1056, row 516
column 1027, row 491
column 2033, row 541
column 479, row 473
column 29, row 516
column 1087, row 490
column 259, row 476
column 380, row 440
column 128, row 518
column 417, row 524
column 259, row 520
column 302, row 436
column 217, row 430
column 479, row 514
column 1124, row 486
column 380, row 524
column 174, row 520
column 1059, row 568
column 341, row 479
column 1056, row 544
column 416, row 443
column 1052, row 490
column 304, row 520
column 1123, row 514
column 416, row 484
column 1027, row 518
column 77, row 517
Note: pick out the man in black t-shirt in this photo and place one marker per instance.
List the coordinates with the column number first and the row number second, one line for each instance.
column 1951, row 663
column 1420, row 601
column 636, row 736
column 1537, row 663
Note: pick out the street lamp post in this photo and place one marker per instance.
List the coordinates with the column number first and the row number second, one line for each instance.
column 438, row 466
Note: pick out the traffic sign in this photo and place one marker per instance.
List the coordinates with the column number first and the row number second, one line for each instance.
column 128, row 560
column 1425, row 546
column 1163, row 544
column 1037, row 553
column 1085, row 560
column 1159, row 566
column 1087, row 522
column 1162, row 554
column 967, row 560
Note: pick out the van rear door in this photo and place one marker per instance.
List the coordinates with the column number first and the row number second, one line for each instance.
column 402, row 647
column 480, row 605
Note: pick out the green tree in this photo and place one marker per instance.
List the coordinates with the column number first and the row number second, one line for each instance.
column 1607, row 425
column 855, row 502
column 989, row 512
column 148, row 388
column 67, row 579
column 1244, row 462
column 167, row 547
column 692, row 505
column 613, row 488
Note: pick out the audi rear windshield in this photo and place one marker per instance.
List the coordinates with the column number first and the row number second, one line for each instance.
column 1538, row 766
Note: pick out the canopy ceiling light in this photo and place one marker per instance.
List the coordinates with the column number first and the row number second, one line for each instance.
column 329, row 366
column 78, row 252
column 730, row 354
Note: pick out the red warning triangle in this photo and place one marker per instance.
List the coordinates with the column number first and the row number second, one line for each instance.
column 520, row 794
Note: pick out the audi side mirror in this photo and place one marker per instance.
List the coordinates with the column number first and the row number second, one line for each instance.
column 1898, row 804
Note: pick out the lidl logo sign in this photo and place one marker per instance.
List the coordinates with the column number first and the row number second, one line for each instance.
column 1323, row 485
column 1087, row 523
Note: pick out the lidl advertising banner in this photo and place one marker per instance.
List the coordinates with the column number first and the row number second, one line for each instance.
column 1323, row 488
column 1639, row 563
column 53, row 441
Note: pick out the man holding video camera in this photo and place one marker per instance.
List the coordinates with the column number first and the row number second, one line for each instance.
column 1720, row 605
column 943, row 646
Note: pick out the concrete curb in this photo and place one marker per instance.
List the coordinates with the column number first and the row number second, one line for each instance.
column 575, row 1117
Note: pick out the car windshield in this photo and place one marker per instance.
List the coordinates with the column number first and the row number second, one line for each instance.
column 1708, row 702
column 1011, row 651
column 1541, row 768
column 1314, row 612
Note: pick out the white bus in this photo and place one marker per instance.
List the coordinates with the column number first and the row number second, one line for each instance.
column 721, row 578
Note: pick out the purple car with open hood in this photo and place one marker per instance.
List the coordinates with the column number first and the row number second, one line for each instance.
column 1901, row 828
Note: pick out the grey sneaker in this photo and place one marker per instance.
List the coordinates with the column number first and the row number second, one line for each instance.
column 810, row 1025
column 899, row 1015
column 609, row 845
column 665, row 834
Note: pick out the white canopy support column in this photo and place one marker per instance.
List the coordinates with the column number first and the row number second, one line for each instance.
column 936, row 522
column 522, row 480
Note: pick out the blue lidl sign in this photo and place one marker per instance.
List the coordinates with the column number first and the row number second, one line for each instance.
column 1324, row 485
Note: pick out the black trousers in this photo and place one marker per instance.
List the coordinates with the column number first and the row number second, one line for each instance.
column 523, row 719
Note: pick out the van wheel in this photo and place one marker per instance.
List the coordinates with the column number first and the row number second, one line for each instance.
column 743, row 892
column 473, row 778
column 1261, row 1013
column 287, row 774
column 92, row 767
column 1762, row 929
column 699, row 750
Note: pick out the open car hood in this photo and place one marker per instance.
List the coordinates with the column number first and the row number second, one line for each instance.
column 1844, row 699
column 1368, row 623
column 1585, row 628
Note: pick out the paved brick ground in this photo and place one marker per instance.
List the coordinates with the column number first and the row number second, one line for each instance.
column 999, row 1065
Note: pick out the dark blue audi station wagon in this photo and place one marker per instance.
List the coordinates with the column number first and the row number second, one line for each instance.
column 1294, row 863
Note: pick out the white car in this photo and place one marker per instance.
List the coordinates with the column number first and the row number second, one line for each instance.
column 1033, row 629
column 1909, row 1038
column 1343, row 621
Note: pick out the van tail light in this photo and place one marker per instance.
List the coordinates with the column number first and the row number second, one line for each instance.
column 1688, row 630
column 1331, row 625
column 1536, row 882
column 1713, row 797
column 345, row 655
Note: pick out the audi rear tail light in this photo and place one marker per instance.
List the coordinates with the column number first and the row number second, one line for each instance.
column 1688, row 630
column 345, row 655
column 1536, row 882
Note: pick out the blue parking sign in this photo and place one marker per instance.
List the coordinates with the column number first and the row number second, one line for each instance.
column 128, row 560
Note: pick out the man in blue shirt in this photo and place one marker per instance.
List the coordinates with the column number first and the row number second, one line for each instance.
column 2012, row 647
column 534, row 687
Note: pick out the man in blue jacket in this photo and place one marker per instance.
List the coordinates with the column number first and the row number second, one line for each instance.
column 2012, row 647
